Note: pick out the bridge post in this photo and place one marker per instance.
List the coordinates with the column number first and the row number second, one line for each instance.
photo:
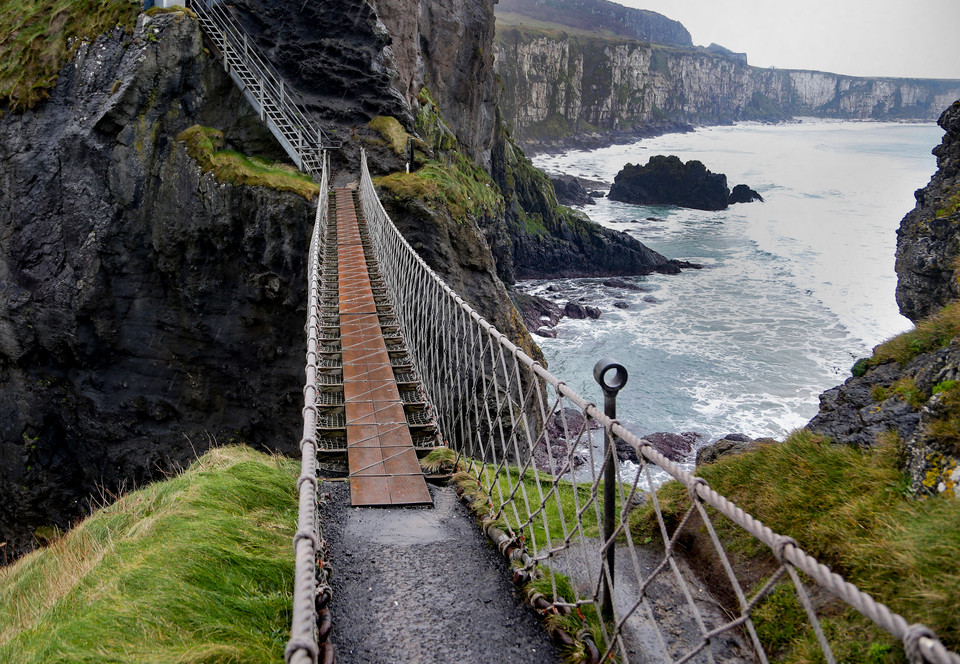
column 610, row 386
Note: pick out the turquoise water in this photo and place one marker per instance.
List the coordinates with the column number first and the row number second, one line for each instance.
column 792, row 292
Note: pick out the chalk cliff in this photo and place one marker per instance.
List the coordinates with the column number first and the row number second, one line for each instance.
column 560, row 83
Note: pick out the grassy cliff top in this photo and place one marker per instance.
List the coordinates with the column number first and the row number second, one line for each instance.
column 198, row 568
column 38, row 36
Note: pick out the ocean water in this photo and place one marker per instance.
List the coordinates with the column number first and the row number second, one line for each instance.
column 791, row 293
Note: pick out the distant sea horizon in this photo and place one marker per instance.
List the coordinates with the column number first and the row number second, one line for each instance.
column 792, row 292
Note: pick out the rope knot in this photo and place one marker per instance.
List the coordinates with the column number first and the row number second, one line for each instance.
column 307, row 535
column 308, row 479
column 911, row 642
column 692, row 488
column 301, row 644
column 780, row 544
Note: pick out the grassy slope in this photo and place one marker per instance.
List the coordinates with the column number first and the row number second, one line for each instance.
column 850, row 509
column 194, row 569
column 38, row 36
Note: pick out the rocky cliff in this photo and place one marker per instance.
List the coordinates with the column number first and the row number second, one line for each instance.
column 146, row 308
column 596, row 15
column 562, row 82
column 910, row 387
column 928, row 244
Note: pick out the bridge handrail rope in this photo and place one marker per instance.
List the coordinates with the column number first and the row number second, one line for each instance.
column 273, row 98
column 500, row 410
column 310, row 579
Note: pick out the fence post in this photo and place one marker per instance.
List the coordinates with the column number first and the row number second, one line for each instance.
column 610, row 386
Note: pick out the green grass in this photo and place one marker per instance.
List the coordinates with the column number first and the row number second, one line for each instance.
column 932, row 333
column 851, row 510
column 194, row 569
column 37, row 37
column 391, row 131
column 204, row 143
column 460, row 187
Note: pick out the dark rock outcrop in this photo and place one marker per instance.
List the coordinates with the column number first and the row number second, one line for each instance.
column 928, row 240
column 146, row 310
column 546, row 240
column 918, row 402
column 734, row 443
column 666, row 180
column 674, row 446
column 569, row 191
column 539, row 314
column 743, row 194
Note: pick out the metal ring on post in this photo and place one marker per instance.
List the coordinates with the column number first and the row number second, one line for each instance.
column 614, row 384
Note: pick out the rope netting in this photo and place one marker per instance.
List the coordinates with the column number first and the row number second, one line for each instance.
column 534, row 452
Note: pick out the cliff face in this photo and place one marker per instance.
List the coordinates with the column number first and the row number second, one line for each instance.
column 362, row 59
column 145, row 309
column 637, row 24
column 557, row 84
column 928, row 241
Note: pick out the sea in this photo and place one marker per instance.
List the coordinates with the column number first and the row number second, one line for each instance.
column 792, row 291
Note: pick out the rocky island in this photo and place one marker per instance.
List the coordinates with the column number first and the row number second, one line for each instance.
column 666, row 180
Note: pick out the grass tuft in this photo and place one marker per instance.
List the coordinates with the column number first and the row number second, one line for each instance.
column 850, row 509
column 461, row 187
column 197, row 568
column 932, row 333
column 204, row 145
column 391, row 131
column 37, row 37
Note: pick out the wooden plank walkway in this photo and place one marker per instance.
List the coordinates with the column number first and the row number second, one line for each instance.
column 384, row 469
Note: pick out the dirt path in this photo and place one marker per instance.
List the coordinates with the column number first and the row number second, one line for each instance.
column 423, row 585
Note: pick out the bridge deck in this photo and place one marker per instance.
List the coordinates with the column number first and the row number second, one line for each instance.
column 383, row 464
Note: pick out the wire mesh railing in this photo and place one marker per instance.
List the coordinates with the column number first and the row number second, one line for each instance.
column 278, row 105
column 533, row 452
column 310, row 590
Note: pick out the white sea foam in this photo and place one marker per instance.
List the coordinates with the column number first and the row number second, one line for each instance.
column 792, row 291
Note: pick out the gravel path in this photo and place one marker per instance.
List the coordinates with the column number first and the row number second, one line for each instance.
column 423, row 585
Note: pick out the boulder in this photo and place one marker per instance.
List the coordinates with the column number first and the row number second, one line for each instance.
column 666, row 180
column 574, row 310
column 620, row 283
column 732, row 443
column 743, row 194
column 570, row 192
column 674, row 446
column 539, row 315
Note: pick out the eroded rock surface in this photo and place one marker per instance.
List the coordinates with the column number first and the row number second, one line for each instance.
column 146, row 310
column 928, row 241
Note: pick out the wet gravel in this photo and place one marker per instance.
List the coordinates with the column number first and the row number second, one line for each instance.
column 423, row 585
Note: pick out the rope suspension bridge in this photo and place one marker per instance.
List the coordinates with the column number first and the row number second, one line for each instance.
column 398, row 364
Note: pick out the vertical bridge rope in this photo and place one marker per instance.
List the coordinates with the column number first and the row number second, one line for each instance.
column 535, row 450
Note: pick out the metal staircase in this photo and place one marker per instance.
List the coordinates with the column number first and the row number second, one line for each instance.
column 278, row 105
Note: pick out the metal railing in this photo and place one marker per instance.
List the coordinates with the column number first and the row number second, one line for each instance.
column 535, row 451
column 279, row 105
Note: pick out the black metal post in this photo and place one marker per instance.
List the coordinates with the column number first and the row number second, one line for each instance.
column 611, row 385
